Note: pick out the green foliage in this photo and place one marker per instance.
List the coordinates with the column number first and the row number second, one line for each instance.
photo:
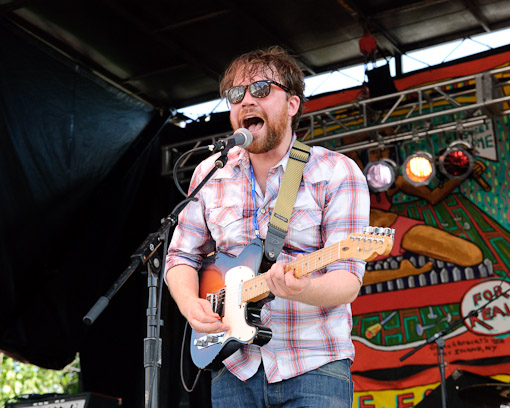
column 18, row 378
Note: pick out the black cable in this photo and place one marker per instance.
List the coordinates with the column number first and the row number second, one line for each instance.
column 178, row 162
column 182, row 364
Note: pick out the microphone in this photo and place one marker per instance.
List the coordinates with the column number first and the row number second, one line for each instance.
column 242, row 137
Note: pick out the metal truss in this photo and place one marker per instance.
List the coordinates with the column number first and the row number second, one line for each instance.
column 448, row 106
column 452, row 105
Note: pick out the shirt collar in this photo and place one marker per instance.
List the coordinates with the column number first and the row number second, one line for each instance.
column 244, row 157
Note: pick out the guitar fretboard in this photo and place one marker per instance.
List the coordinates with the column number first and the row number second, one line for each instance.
column 359, row 246
column 257, row 288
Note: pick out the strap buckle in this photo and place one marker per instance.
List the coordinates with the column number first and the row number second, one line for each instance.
column 273, row 243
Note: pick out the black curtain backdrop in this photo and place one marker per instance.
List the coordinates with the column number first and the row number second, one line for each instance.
column 80, row 191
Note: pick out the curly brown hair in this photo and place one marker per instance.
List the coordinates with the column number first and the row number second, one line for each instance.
column 276, row 60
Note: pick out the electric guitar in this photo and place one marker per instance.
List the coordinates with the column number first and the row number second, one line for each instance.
column 237, row 293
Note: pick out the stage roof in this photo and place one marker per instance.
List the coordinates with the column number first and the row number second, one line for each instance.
column 171, row 54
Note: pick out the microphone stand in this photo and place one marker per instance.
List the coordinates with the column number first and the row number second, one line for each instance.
column 146, row 254
column 438, row 338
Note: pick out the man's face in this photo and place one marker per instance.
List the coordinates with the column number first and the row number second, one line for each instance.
column 268, row 119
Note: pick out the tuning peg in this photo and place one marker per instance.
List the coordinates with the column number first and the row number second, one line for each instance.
column 368, row 230
column 387, row 232
column 390, row 232
column 379, row 231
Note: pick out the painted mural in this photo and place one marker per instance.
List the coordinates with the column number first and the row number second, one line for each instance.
column 441, row 298
column 451, row 257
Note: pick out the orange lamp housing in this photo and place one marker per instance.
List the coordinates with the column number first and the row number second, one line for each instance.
column 419, row 169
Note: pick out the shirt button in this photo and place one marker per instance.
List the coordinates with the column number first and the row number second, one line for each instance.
column 298, row 225
column 263, row 210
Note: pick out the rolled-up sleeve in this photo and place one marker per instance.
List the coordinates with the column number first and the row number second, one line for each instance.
column 191, row 239
column 347, row 210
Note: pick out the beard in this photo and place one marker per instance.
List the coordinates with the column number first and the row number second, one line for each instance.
column 276, row 128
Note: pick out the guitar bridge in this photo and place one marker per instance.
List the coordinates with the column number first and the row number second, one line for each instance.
column 209, row 340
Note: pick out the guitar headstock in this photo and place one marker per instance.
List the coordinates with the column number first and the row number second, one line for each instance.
column 372, row 242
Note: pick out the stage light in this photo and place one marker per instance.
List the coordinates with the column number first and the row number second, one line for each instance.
column 419, row 168
column 380, row 174
column 456, row 162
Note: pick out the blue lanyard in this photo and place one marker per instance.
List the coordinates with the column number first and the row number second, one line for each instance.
column 255, row 209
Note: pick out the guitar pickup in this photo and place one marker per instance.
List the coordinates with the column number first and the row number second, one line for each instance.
column 209, row 340
column 217, row 300
column 212, row 298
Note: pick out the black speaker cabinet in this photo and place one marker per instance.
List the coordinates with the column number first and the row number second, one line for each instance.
column 466, row 390
column 381, row 83
column 83, row 400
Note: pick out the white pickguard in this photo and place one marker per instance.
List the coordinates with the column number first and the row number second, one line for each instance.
column 234, row 310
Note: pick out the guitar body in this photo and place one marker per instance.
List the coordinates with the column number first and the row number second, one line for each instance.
column 237, row 293
column 220, row 283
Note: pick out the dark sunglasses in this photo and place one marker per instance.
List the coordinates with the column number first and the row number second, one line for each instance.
column 258, row 89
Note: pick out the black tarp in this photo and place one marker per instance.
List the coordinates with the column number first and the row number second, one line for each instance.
column 80, row 190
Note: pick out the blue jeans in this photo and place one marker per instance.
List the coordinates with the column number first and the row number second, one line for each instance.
column 328, row 386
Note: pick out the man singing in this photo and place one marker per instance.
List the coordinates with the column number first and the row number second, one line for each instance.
column 307, row 361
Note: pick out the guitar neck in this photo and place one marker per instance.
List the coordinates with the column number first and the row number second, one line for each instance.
column 256, row 289
column 356, row 246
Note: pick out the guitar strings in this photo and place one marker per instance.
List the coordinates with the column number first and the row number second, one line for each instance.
column 324, row 256
column 258, row 285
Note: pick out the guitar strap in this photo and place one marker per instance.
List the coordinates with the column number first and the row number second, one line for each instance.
column 279, row 222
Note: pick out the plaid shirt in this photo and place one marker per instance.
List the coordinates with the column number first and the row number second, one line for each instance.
column 332, row 202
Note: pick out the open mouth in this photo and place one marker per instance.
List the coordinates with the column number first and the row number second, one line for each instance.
column 253, row 123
